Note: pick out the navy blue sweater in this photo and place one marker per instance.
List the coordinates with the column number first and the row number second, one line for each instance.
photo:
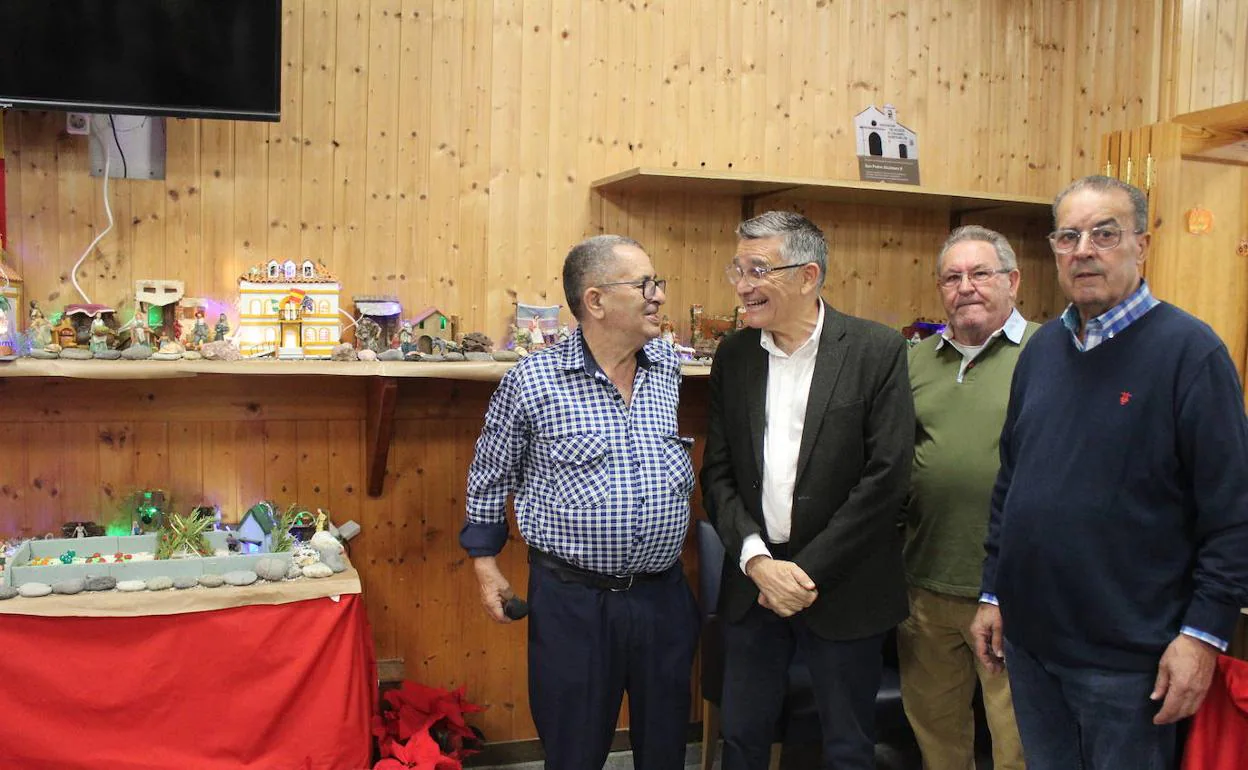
column 1120, row 512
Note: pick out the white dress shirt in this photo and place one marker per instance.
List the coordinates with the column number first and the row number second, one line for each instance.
column 788, row 388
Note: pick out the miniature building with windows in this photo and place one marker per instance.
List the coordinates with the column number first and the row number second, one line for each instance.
column 384, row 310
column 288, row 309
column 432, row 323
column 159, row 300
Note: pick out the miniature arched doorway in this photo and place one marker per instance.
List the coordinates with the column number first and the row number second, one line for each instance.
column 902, row 152
column 875, row 145
column 424, row 343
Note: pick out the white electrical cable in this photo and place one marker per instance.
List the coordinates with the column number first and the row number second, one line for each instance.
column 73, row 274
column 354, row 320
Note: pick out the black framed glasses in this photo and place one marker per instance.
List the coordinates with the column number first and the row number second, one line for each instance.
column 977, row 277
column 648, row 286
column 754, row 275
column 1102, row 237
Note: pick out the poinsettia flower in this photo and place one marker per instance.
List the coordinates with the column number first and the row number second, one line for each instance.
column 421, row 753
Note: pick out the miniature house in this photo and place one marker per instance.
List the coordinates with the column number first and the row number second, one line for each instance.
column 430, row 323
column 159, row 300
column 288, row 309
column 80, row 317
column 383, row 310
column 256, row 527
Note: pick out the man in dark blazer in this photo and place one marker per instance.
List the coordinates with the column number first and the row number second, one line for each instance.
column 806, row 467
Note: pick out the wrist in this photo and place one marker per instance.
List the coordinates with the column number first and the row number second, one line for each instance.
column 754, row 562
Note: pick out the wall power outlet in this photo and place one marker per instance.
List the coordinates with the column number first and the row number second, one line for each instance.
column 78, row 123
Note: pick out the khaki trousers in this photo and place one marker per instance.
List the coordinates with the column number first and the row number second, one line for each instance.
column 938, row 673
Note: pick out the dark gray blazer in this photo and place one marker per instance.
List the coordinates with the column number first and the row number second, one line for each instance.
column 853, row 473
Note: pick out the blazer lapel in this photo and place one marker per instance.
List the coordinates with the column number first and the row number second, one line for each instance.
column 828, row 365
column 756, row 397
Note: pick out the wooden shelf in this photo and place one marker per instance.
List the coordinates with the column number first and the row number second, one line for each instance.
column 753, row 187
column 382, row 389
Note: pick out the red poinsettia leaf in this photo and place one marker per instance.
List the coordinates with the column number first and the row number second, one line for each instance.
column 412, row 722
column 418, row 696
column 391, row 764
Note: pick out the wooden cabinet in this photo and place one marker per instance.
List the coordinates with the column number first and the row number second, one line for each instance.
column 1195, row 172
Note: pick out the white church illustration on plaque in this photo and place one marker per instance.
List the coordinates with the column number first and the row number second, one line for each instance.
column 887, row 150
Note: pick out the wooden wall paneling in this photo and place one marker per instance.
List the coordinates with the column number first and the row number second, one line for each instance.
column 624, row 79
column 442, row 244
column 468, row 291
column 47, row 465
column 152, row 458
column 116, row 463
column 37, row 254
column 565, row 190
column 186, row 463
column 752, row 85
column 185, row 228
column 501, row 274
column 222, row 470
column 251, row 196
column 780, row 130
column 674, row 113
column 1239, row 64
column 534, row 264
column 381, row 160
column 1204, row 56
column 221, row 264
column 351, row 142
column 415, row 266
column 315, row 143
column 144, row 242
column 286, row 142
column 281, row 462
column 79, row 198
column 703, row 85
column 14, row 480
column 10, row 126
column 312, row 468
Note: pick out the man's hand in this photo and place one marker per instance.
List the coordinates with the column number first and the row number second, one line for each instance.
column 783, row 587
column 1183, row 678
column 989, row 635
column 494, row 587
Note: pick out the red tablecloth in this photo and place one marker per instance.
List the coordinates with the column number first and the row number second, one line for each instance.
column 270, row 687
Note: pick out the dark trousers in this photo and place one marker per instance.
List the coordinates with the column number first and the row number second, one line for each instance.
column 1085, row 718
column 846, row 678
column 588, row 646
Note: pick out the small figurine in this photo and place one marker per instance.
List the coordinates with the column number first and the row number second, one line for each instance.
column 406, row 343
column 537, row 338
column 199, row 332
column 140, row 332
column 667, row 330
column 221, row 329
column 563, row 333
column 368, row 335
column 100, row 334
column 40, row 328
column 80, row 531
column 321, row 520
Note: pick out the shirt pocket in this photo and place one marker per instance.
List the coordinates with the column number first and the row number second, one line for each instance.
column 582, row 477
column 678, row 464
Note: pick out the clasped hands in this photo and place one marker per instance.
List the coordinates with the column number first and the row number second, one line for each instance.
column 783, row 587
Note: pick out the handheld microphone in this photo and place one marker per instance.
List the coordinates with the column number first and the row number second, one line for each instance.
column 515, row 608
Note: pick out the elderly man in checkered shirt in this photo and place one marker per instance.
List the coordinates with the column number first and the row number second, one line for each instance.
column 583, row 434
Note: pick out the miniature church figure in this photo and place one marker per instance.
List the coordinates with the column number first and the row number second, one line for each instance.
column 221, row 329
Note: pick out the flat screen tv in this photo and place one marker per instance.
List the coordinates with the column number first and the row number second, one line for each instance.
column 175, row 58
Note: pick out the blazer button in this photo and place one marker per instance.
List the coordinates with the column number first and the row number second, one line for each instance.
column 755, row 485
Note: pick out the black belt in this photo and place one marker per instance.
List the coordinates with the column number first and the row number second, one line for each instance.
column 570, row 573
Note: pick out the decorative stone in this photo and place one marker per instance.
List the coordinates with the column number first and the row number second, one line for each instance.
column 7, row 592
column 184, row 581
column 46, row 355
column 108, row 355
column 331, row 552
column 166, row 356
column 367, row 355
column 222, row 350
column 137, row 353
column 69, row 587
column 101, row 583
column 294, row 571
column 453, row 356
column 131, row 585
column 160, row 583
column 343, row 352
column 33, row 590
column 505, row 355
column 211, row 581
column 240, row 577
column 192, row 355
column 431, row 357
column 478, row 355
column 271, row 569
column 317, row 571
column 393, row 354
column 77, row 354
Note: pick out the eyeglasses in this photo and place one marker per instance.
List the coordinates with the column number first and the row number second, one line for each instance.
column 756, row 274
column 1103, row 238
column 647, row 285
column 976, row 277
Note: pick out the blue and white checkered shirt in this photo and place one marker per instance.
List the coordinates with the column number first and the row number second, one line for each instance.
column 1112, row 321
column 597, row 483
column 1103, row 328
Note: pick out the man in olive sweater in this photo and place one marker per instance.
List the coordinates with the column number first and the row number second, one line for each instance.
column 961, row 384
column 1118, row 541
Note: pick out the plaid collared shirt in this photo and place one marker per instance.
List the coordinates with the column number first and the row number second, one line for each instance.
column 597, row 483
column 1112, row 321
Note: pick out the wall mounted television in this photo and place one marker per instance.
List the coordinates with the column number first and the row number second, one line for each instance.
column 173, row 58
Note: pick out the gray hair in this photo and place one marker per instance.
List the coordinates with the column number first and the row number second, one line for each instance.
column 1102, row 184
column 803, row 240
column 586, row 263
column 1005, row 252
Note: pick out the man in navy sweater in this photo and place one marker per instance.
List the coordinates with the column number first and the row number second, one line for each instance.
column 1117, row 550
